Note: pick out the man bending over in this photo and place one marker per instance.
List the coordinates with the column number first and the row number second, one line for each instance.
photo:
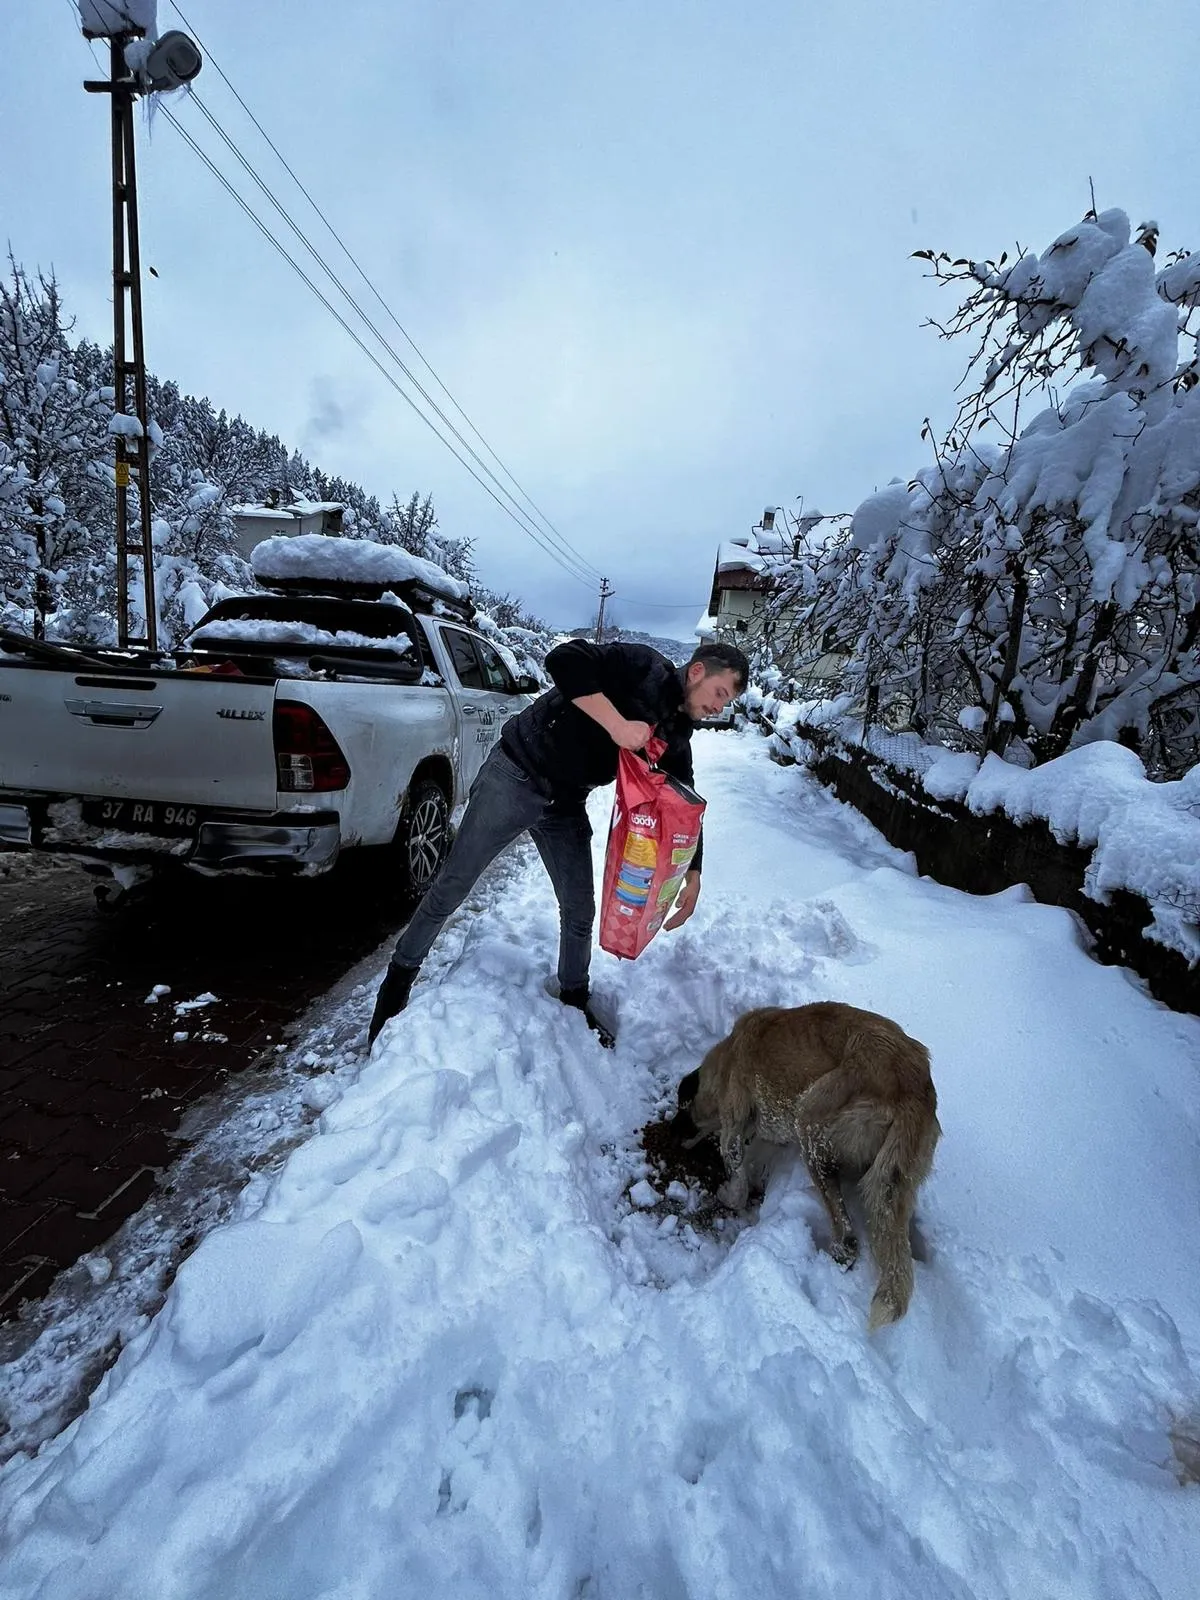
column 605, row 698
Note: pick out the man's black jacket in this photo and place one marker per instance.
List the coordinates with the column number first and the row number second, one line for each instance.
column 566, row 752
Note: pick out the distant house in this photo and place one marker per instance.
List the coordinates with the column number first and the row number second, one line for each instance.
column 741, row 582
column 744, row 576
column 253, row 524
column 747, row 569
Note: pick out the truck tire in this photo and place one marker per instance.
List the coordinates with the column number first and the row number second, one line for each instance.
column 423, row 836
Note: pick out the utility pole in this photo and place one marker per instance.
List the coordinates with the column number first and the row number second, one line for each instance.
column 605, row 593
column 172, row 61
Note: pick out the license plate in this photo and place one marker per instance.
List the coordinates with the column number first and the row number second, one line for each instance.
column 142, row 816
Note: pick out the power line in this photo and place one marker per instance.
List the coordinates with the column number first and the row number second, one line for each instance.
column 568, row 549
column 332, row 275
column 567, row 559
column 370, row 355
column 564, row 544
column 565, row 556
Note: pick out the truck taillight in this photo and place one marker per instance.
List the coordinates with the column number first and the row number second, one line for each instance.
column 307, row 756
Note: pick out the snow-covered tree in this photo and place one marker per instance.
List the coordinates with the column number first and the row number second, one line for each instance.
column 58, row 570
column 414, row 527
column 1040, row 588
column 54, row 476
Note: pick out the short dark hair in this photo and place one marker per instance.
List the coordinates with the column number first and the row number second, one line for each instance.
column 715, row 656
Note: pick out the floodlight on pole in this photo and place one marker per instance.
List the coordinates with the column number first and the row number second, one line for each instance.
column 172, row 61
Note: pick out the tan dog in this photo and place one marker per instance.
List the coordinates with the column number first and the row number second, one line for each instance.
column 853, row 1091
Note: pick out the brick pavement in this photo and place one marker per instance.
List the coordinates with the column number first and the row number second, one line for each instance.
column 92, row 1088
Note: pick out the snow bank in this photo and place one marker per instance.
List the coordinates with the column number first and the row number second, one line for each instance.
column 1144, row 836
column 442, row 1350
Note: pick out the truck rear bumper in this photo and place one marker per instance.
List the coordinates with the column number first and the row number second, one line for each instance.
column 239, row 844
column 220, row 843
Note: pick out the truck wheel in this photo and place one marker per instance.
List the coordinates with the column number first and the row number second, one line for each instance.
column 423, row 836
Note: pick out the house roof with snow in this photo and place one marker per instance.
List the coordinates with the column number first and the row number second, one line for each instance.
column 748, row 561
column 735, row 555
column 297, row 510
column 273, row 513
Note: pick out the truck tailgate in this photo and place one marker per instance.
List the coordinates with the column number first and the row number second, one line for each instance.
column 175, row 737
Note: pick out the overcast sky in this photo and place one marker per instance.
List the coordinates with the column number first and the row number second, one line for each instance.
column 656, row 249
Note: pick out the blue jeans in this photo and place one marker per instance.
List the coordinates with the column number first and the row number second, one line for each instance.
column 504, row 803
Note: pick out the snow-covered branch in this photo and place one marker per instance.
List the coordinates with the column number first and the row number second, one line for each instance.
column 1041, row 589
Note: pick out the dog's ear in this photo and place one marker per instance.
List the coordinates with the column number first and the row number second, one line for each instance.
column 689, row 1088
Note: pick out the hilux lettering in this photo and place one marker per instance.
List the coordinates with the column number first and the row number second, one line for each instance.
column 232, row 714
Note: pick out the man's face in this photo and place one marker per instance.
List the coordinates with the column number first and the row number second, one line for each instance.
column 707, row 693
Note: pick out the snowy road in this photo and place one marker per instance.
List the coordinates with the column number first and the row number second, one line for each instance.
column 441, row 1354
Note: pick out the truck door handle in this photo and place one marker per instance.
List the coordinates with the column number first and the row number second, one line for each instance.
column 470, row 710
column 112, row 713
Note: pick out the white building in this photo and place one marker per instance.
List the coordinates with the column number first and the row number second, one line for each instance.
column 253, row 524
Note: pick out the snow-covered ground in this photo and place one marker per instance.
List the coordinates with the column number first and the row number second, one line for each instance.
column 442, row 1353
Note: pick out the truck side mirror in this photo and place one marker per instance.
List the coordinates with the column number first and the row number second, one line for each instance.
column 528, row 684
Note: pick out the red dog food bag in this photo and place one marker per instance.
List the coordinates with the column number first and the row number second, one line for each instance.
column 653, row 837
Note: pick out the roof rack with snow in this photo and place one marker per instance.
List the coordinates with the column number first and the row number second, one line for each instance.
column 416, row 595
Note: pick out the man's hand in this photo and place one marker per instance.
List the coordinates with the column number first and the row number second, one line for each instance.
column 686, row 903
column 631, row 735
column 624, row 734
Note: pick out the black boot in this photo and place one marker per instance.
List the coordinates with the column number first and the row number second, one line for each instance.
column 580, row 999
column 391, row 999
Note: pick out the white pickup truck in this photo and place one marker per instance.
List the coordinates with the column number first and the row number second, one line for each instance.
column 303, row 720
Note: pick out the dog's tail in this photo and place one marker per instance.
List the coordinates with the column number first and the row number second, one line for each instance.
column 889, row 1190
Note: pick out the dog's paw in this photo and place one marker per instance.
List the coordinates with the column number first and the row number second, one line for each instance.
column 885, row 1309
column 734, row 1192
column 845, row 1252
